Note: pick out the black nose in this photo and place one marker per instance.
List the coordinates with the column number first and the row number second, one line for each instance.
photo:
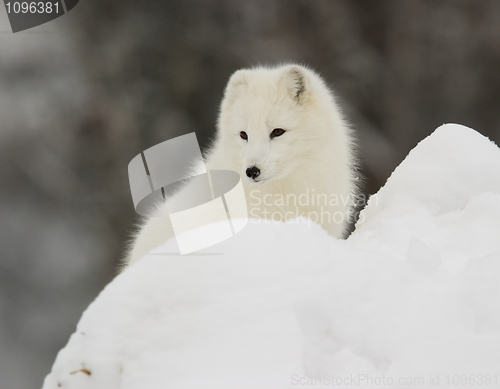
column 253, row 172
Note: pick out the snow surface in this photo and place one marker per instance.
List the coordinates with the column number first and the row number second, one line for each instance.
column 412, row 295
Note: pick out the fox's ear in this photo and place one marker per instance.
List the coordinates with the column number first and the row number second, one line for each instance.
column 236, row 82
column 295, row 80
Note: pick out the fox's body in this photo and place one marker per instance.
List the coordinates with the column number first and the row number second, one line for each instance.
column 282, row 131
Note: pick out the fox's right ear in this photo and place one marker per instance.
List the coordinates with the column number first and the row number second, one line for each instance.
column 236, row 83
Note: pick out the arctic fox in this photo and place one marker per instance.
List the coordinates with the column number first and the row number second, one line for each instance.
column 282, row 131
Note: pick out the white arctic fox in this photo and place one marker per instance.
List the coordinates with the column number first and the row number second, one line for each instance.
column 282, row 131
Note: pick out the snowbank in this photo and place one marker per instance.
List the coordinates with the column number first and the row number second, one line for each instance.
column 411, row 299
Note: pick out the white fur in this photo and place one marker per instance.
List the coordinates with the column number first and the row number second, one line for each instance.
column 314, row 156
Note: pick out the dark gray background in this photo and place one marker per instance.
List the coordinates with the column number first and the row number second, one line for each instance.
column 85, row 93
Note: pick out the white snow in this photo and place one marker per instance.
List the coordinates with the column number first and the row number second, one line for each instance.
column 412, row 295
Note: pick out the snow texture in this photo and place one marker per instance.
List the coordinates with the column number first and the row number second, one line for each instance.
column 413, row 294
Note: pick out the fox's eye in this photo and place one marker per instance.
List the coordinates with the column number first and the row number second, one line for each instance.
column 277, row 132
column 244, row 135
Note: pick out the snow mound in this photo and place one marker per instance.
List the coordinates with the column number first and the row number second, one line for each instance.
column 411, row 299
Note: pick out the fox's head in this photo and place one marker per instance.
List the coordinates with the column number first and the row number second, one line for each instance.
column 272, row 121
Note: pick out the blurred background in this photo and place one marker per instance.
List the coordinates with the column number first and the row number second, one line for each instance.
column 82, row 95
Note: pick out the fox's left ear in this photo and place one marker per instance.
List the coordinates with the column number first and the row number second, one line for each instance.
column 296, row 81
